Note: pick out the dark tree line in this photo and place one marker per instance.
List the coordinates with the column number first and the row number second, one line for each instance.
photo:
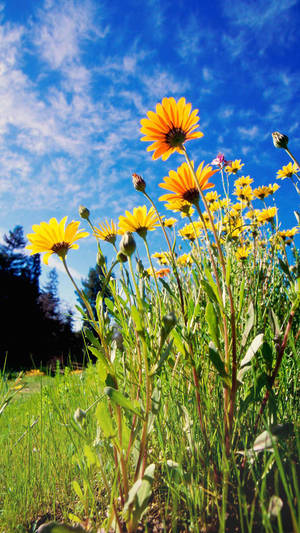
column 33, row 330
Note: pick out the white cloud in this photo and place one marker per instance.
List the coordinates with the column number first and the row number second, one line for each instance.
column 250, row 132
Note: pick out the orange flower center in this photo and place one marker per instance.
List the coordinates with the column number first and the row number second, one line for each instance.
column 175, row 137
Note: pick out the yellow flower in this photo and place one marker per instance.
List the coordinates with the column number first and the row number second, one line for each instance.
column 162, row 257
column 184, row 260
column 169, row 222
column 234, row 166
column 168, row 128
column 273, row 188
column 242, row 253
column 54, row 238
column 239, row 206
column 262, row 192
column 243, row 181
column 244, row 193
column 253, row 214
column 107, row 232
column 288, row 233
column 212, row 197
column 139, row 221
column 190, row 231
column 287, row 171
column 267, row 215
column 34, row 372
column 183, row 184
column 178, row 205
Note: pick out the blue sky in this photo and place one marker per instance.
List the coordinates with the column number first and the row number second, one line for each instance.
column 76, row 77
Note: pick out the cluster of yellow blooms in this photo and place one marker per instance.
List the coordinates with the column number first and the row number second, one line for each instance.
column 168, row 129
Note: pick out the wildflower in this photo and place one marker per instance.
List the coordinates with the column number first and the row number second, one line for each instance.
column 280, row 140
column 54, row 238
column 127, row 245
column 211, row 197
column 242, row 253
column 34, row 372
column 273, row 188
column 184, row 260
column 267, row 215
column 190, row 231
column 169, row 128
column 162, row 257
column 138, row 183
column 107, row 232
column 243, row 181
column 262, row 192
column 161, row 273
column 244, row 193
column 288, row 233
column 139, row 221
column 287, row 171
column 179, row 205
column 220, row 161
column 169, row 222
column 252, row 214
column 239, row 206
column 234, row 166
column 183, row 184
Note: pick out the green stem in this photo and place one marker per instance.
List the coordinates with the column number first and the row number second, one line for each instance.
column 154, row 276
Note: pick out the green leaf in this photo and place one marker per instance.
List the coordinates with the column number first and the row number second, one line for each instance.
column 103, row 363
column 228, row 270
column 267, row 354
column 90, row 455
column 274, row 323
column 119, row 399
column 165, row 354
column 213, row 324
column 218, row 363
column 137, row 318
column 138, row 497
column 168, row 289
column 284, row 267
column 105, row 421
column 241, row 296
column 209, row 291
column 249, row 324
column 252, row 350
column 178, row 342
column 78, row 490
column 110, row 306
column 91, row 337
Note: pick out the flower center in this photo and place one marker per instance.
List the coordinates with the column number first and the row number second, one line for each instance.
column 142, row 232
column 60, row 248
column 175, row 137
column 191, row 196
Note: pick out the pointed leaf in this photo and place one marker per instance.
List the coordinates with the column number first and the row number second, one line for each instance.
column 118, row 398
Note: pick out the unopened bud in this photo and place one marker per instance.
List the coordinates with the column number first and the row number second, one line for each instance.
column 100, row 259
column 84, row 212
column 280, row 140
column 127, row 244
column 79, row 415
column 169, row 321
column 122, row 258
column 138, row 183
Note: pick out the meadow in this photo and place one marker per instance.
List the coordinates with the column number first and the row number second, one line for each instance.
column 188, row 419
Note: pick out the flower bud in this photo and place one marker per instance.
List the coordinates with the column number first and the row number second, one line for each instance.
column 79, row 415
column 280, row 140
column 138, row 183
column 127, row 244
column 84, row 212
column 169, row 321
column 122, row 258
column 100, row 259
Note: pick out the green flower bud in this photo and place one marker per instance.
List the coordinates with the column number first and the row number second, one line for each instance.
column 127, row 244
column 100, row 259
column 122, row 258
column 84, row 212
column 280, row 140
column 79, row 416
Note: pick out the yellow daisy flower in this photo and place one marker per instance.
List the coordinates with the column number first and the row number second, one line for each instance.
column 107, row 232
column 287, row 171
column 267, row 215
column 244, row 193
column 190, row 231
column 161, row 273
column 162, row 257
column 183, row 184
column 212, row 197
column 139, row 221
column 243, row 181
column 234, row 166
column 288, row 233
column 54, row 238
column 242, row 253
column 184, row 260
column 177, row 205
column 273, row 188
column 169, row 222
column 169, row 128
column 262, row 192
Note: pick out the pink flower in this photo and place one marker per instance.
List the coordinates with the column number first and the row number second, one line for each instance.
column 220, row 161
